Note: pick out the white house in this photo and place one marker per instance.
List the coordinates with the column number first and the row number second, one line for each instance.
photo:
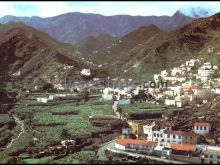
column 204, row 74
column 164, row 73
column 201, row 128
column 198, row 91
column 86, row 72
column 170, row 102
column 175, row 89
column 217, row 90
column 156, row 77
column 148, row 130
column 169, row 92
column 42, row 100
column 134, row 145
column 174, row 137
column 215, row 67
column 176, row 70
column 155, row 131
column 191, row 62
column 180, row 137
column 212, row 155
column 175, row 79
column 108, row 93
column 207, row 65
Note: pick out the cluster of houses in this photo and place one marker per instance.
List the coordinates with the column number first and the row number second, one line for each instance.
column 189, row 153
column 192, row 83
column 158, row 138
column 123, row 96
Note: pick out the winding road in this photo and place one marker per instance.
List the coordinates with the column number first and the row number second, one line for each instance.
column 17, row 120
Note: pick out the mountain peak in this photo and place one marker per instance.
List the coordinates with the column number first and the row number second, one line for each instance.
column 197, row 12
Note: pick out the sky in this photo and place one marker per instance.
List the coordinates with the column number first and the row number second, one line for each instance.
column 107, row 8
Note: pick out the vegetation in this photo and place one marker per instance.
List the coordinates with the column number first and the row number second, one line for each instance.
column 5, row 119
column 141, row 107
column 47, row 125
column 76, row 158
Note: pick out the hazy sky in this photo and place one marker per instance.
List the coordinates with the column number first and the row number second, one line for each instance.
column 48, row 8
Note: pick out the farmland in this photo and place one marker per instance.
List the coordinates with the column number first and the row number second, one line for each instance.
column 141, row 108
column 47, row 125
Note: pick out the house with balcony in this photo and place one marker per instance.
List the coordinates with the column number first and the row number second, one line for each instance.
column 154, row 131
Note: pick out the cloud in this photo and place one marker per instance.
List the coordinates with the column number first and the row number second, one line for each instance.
column 134, row 11
column 7, row 9
column 50, row 8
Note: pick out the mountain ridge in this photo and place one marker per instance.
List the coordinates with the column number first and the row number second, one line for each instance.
column 75, row 26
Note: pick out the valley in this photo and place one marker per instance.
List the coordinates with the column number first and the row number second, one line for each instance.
column 73, row 89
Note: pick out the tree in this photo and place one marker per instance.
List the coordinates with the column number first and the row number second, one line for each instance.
column 47, row 87
column 65, row 134
column 86, row 95
column 119, row 110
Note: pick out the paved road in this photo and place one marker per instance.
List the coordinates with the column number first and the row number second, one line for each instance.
column 111, row 147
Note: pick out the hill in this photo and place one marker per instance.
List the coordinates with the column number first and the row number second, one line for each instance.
column 31, row 55
column 74, row 27
column 167, row 49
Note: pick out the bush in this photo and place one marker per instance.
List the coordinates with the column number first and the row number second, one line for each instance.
column 48, row 87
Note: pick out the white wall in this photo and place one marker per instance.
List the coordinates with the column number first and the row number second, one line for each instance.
column 172, row 139
column 148, row 131
column 126, row 131
column 201, row 130
column 169, row 102
column 217, row 91
column 159, row 136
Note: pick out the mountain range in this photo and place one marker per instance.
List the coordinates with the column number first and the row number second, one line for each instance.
column 74, row 27
column 140, row 53
column 34, row 55
column 150, row 49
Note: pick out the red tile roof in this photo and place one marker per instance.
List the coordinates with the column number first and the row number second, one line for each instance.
column 190, row 87
column 213, row 150
column 201, row 124
column 183, row 147
column 136, row 142
column 196, row 87
column 181, row 133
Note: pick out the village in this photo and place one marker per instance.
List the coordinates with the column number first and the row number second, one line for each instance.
column 190, row 85
column 185, row 87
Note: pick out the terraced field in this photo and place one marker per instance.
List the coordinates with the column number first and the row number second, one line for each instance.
column 47, row 125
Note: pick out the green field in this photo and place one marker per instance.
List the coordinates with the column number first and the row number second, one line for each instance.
column 44, row 129
column 141, row 107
